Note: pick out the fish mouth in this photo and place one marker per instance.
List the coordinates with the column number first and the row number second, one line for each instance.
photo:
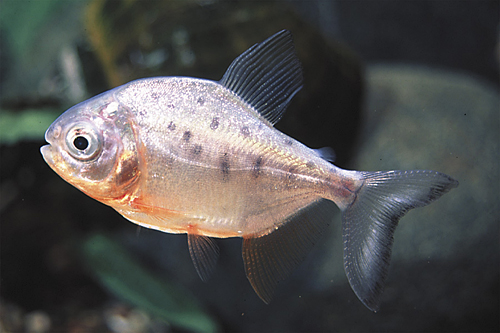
column 52, row 133
column 47, row 151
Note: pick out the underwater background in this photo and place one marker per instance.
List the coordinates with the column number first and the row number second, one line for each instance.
column 388, row 85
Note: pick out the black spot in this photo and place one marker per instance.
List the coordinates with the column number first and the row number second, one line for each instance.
column 245, row 131
column 291, row 173
column 310, row 165
column 200, row 101
column 289, row 142
column 215, row 123
column 170, row 106
column 171, row 126
column 197, row 149
column 186, row 136
column 257, row 167
column 224, row 167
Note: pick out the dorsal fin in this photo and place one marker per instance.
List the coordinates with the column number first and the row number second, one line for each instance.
column 270, row 258
column 267, row 75
column 204, row 253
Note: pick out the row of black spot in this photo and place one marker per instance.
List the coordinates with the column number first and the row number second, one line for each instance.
column 225, row 166
column 224, row 162
column 245, row 131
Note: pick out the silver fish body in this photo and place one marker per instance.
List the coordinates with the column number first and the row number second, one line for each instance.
column 186, row 155
column 241, row 175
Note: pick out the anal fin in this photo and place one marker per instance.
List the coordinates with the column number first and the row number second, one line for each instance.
column 270, row 258
column 204, row 252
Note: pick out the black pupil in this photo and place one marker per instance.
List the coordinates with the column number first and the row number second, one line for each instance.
column 81, row 143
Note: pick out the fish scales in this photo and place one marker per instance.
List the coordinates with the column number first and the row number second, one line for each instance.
column 194, row 156
column 221, row 180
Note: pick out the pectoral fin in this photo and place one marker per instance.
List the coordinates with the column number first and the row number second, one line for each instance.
column 204, row 253
column 270, row 258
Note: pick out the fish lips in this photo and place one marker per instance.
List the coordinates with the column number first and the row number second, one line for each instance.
column 47, row 152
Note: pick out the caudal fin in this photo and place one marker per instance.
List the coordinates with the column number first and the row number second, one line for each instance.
column 368, row 224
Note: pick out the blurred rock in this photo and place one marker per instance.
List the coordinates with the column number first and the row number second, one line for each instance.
column 446, row 254
column 37, row 322
column 121, row 319
column 420, row 118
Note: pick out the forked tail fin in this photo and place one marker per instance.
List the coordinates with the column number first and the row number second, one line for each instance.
column 368, row 223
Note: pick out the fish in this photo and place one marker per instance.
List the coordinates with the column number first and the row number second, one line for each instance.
column 192, row 156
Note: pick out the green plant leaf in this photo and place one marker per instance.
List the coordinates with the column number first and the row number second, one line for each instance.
column 128, row 280
column 26, row 125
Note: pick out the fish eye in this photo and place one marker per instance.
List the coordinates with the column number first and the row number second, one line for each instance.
column 83, row 141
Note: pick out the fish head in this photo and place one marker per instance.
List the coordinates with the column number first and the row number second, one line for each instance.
column 93, row 146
